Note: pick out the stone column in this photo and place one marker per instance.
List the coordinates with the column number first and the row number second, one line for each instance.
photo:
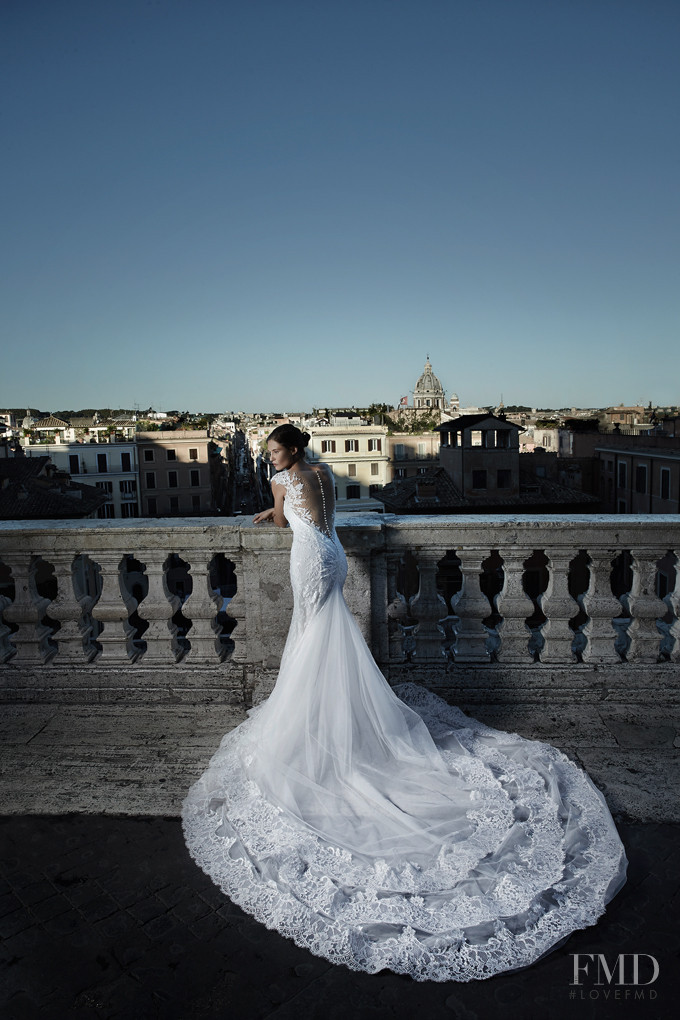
column 672, row 601
column 397, row 609
column 74, row 637
column 201, row 608
column 112, row 609
column 31, row 640
column 644, row 607
column 514, row 605
column 471, row 606
column 158, row 608
column 428, row 607
column 358, row 588
column 558, row 606
column 601, row 606
column 6, row 649
column 238, row 610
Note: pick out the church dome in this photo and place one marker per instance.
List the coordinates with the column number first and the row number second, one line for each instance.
column 428, row 392
column 428, row 383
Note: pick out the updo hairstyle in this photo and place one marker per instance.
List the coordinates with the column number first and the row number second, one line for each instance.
column 291, row 437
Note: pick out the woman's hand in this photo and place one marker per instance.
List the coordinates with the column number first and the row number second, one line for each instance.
column 266, row 515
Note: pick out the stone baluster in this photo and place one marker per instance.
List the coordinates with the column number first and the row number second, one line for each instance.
column 27, row 610
column 428, row 607
column 6, row 649
column 201, row 608
column 672, row 600
column 471, row 606
column 112, row 609
column 397, row 610
column 601, row 606
column 74, row 637
column 644, row 607
column 559, row 607
column 158, row 608
column 514, row 605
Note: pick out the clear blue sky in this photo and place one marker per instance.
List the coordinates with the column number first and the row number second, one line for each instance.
column 280, row 204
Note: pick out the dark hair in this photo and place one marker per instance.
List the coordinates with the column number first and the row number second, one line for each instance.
column 291, row 437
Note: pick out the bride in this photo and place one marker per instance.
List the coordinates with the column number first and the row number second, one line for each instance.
column 390, row 832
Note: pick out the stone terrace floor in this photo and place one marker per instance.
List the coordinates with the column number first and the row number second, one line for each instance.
column 107, row 917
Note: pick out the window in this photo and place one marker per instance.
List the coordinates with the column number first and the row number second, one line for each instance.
column 174, row 503
column 152, row 507
column 422, row 471
column 352, row 470
column 547, row 441
column 74, row 464
column 421, row 449
column 193, row 453
column 479, row 479
column 102, row 463
column 171, row 455
column 503, row 439
column 128, row 488
column 475, row 437
column 610, row 465
column 398, row 450
column 400, row 472
column 351, row 446
column 125, row 462
column 488, row 436
column 195, row 477
column 195, row 502
column 107, row 511
column 665, row 483
column 622, row 478
column 172, row 479
column 503, row 478
column 128, row 510
column 106, row 487
column 375, row 469
column 374, row 445
column 641, row 478
column 328, row 446
column 151, row 479
column 148, row 455
column 353, row 492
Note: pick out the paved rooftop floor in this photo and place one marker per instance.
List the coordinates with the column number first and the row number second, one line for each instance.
column 107, row 917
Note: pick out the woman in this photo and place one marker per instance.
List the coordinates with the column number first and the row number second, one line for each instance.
column 387, row 833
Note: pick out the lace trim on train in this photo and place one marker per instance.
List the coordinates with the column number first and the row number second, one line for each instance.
column 421, row 921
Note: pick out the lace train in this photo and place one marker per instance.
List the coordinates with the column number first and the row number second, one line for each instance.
column 537, row 858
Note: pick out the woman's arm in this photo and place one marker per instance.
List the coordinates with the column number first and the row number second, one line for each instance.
column 274, row 513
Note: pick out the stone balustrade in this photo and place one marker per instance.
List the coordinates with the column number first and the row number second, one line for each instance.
column 439, row 591
column 128, row 647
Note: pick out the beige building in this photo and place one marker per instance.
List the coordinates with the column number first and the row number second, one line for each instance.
column 358, row 456
column 412, row 454
column 175, row 473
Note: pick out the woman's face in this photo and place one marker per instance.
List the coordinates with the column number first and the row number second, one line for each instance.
column 280, row 456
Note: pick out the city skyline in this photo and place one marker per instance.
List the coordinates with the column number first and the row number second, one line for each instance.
column 232, row 205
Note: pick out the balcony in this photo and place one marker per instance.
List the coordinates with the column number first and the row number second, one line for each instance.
column 129, row 646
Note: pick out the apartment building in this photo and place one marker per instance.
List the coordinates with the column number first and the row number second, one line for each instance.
column 358, row 456
column 175, row 473
column 111, row 467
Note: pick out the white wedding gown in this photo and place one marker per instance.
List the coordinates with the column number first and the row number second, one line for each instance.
column 386, row 833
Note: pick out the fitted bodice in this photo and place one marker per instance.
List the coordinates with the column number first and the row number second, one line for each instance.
column 310, row 497
column 317, row 559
